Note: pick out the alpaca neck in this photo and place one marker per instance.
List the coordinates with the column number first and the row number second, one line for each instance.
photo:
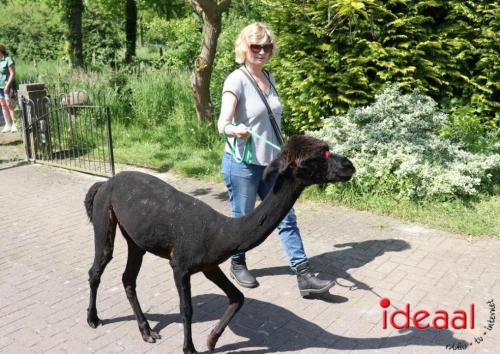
column 252, row 229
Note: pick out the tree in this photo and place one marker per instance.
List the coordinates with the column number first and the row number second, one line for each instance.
column 130, row 29
column 162, row 9
column 72, row 12
column 337, row 54
column 210, row 12
column 167, row 9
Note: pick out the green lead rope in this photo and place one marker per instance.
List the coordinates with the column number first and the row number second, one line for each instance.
column 247, row 155
column 264, row 139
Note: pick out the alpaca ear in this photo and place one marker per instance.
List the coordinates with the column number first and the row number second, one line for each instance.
column 278, row 165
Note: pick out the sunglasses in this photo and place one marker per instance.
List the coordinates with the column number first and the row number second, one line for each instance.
column 256, row 48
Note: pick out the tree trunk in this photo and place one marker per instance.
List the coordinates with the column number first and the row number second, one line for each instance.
column 73, row 14
column 211, row 13
column 141, row 31
column 130, row 29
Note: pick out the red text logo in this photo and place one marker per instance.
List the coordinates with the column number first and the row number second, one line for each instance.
column 423, row 319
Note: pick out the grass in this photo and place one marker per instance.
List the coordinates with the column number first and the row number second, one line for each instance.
column 44, row 71
column 170, row 147
column 478, row 218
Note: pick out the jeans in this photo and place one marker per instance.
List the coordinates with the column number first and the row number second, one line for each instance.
column 244, row 183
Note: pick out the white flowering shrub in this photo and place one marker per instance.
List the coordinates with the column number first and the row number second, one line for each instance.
column 396, row 148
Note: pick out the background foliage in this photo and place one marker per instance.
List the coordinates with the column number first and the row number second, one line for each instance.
column 336, row 55
column 103, row 37
column 31, row 30
column 427, row 146
column 179, row 40
column 397, row 150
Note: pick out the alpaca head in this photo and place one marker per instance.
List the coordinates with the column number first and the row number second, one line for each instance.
column 310, row 161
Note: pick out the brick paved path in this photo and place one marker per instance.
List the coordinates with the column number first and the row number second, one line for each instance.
column 46, row 248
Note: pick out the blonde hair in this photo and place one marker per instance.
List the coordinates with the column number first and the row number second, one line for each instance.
column 252, row 34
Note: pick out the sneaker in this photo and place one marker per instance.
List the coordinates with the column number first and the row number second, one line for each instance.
column 13, row 129
column 7, row 128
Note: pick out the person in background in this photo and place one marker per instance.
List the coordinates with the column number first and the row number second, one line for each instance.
column 242, row 108
column 7, row 82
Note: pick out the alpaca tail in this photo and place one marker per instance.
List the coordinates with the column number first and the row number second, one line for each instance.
column 89, row 198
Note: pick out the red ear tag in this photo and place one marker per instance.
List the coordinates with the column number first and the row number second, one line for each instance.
column 327, row 154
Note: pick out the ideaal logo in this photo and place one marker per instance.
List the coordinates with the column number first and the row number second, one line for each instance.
column 440, row 319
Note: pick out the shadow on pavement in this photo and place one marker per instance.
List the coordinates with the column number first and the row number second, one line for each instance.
column 304, row 335
column 349, row 256
column 223, row 196
column 200, row 191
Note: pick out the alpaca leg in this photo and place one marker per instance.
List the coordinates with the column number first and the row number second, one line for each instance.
column 134, row 262
column 104, row 232
column 236, row 300
column 183, row 284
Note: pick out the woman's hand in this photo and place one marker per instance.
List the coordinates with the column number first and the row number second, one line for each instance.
column 239, row 131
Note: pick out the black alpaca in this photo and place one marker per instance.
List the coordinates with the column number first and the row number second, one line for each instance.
column 155, row 217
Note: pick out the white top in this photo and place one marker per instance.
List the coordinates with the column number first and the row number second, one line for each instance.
column 251, row 111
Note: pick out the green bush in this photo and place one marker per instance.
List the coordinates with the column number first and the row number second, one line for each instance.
column 337, row 55
column 179, row 38
column 103, row 38
column 31, row 30
column 466, row 127
column 397, row 150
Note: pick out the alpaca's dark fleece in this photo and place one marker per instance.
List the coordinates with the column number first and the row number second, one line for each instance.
column 155, row 217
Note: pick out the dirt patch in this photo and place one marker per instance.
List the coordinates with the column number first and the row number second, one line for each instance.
column 11, row 147
column 10, row 138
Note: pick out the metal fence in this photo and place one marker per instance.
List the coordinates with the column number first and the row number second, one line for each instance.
column 66, row 131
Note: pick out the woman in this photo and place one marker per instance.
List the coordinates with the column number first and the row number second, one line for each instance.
column 243, row 108
column 7, row 79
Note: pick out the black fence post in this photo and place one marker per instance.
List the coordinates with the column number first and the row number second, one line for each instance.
column 110, row 141
column 25, row 128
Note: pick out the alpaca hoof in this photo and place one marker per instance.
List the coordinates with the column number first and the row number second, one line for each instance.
column 212, row 341
column 148, row 339
column 92, row 318
column 93, row 322
column 151, row 336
